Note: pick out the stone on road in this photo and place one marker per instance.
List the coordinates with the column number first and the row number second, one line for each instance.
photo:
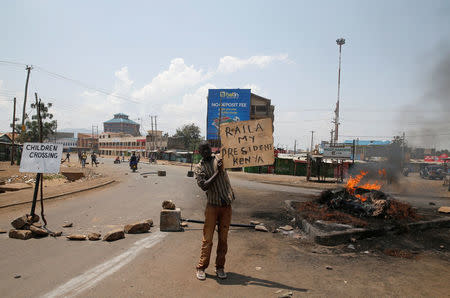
column 287, row 228
column 77, row 237
column 261, row 228
column 20, row 234
column 444, row 209
column 20, row 222
column 40, row 232
column 137, row 228
column 168, row 205
column 114, row 235
column 94, row 236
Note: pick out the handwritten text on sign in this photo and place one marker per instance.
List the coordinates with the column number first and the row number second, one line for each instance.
column 247, row 143
column 41, row 158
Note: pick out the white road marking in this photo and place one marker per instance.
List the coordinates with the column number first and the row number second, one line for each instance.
column 91, row 277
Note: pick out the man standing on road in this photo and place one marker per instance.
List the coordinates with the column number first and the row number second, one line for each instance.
column 212, row 178
column 94, row 159
column 83, row 159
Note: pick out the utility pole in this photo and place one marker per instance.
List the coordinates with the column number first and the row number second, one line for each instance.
column 308, row 168
column 153, row 140
column 13, row 132
column 295, row 146
column 94, row 135
column 403, row 150
column 312, row 140
column 331, row 137
column 340, row 42
column 28, row 68
column 156, row 131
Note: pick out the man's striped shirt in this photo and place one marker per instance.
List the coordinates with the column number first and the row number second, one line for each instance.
column 219, row 192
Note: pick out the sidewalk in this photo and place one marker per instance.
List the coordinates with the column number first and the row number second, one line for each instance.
column 25, row 196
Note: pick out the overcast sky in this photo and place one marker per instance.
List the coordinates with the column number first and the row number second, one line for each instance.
column 161, row 58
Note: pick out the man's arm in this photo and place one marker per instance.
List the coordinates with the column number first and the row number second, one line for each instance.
column 200, row 175
column 214, row 176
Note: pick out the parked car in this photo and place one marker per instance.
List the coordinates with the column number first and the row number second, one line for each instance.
column 432, row 172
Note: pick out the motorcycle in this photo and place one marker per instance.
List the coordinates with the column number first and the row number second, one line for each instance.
column 133, row 166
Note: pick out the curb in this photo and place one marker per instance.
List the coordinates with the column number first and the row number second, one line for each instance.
column 340, row 237
column 63, row 194
column 336, row 238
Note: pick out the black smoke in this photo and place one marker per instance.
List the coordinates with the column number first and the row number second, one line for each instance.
column 427, row 120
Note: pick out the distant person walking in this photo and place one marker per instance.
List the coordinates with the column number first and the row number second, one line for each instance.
column 79, row 156
column 94, row 159
column 83, row 159
column 68, row 156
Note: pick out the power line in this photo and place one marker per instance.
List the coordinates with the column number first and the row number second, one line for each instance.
column 391, row 136
column 375, row 110
column 85, row 85
column 429, row 135
column 12, row 63
column 104, row 92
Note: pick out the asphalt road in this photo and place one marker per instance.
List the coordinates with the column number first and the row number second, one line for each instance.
column 47, row 264
column 160, row 264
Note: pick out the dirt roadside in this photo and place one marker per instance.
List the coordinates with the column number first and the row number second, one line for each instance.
column 55, row 185
column 355, row 265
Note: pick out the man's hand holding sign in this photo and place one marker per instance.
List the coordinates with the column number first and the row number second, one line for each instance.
column 247, row 143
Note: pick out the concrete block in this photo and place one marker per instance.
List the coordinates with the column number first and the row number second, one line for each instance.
column 170, row 220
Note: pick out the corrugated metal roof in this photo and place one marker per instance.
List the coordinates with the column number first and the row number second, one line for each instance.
column 367, row 142
column 121, row 120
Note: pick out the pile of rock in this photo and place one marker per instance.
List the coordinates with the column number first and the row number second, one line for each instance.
column 117, row 234
column 26, row 227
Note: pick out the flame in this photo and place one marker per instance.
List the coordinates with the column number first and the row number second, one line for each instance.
column 363, row 199
column 353, row 182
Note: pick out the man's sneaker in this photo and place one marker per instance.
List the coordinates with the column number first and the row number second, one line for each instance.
column 201, row 274
column 221, row 274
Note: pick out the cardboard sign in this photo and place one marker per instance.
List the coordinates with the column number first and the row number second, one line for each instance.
column 41, row 158
column 247, row 143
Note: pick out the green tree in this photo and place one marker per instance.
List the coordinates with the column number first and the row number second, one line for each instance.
column 31, row 133
column 190, row 134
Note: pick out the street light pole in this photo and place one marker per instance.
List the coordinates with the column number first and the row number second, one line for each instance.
column 340, row 42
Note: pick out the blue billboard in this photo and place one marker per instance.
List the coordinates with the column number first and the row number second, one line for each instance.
column 235, row 107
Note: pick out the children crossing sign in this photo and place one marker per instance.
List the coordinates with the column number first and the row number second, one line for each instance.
column 41, row 158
